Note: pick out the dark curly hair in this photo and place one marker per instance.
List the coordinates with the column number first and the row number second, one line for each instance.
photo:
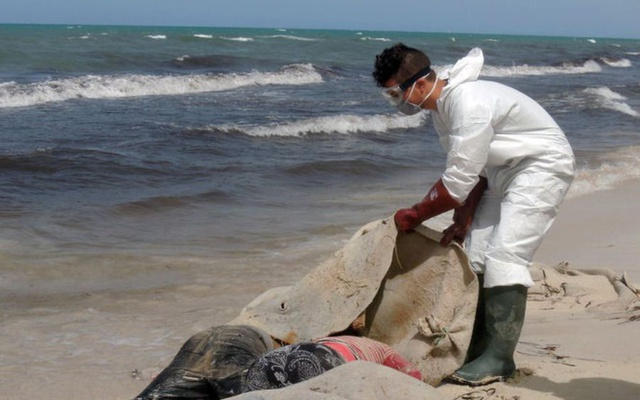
column 400, row 62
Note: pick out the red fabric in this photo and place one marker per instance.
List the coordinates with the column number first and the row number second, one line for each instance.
column 342, row 349
column 396, row 361
column 353, row 348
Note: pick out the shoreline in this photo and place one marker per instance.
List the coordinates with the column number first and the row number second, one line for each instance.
column 597, row 230
column 108, row 345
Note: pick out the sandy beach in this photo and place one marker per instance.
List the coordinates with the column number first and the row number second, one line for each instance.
column 109, row 345
column 573, row 353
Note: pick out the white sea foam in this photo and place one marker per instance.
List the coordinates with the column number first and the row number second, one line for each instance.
column 622, row 165
column 589, row 66
column 618, row 63
column 375, row 39
column 339, row 124
column 607, row 98
column 237, row 39
column 203, row 36
column 13, row 94
column 292, row 37
column 156, row 37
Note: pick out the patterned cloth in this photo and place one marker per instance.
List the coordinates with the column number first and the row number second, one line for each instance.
column 298, row 362
column 291, row 364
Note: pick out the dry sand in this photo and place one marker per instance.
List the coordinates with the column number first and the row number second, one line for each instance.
column 571, row 350
column 107, row 346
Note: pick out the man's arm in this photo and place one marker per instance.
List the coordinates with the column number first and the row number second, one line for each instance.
column 436, row 202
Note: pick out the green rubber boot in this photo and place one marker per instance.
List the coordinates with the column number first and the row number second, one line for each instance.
column 504, row 317
column 479, row 336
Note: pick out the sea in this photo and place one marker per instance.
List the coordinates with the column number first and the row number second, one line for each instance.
column 154, row 180
column 143, row 157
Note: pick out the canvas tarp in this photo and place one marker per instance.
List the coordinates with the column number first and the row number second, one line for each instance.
column 403, row 289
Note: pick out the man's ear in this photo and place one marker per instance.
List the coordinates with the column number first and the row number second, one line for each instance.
column 423, row 84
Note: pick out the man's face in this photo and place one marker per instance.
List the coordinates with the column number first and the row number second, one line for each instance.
column 397, row 93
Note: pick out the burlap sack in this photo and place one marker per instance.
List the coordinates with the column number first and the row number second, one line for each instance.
column 402, row 289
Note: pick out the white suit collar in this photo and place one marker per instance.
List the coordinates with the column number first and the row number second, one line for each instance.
column 466, row 69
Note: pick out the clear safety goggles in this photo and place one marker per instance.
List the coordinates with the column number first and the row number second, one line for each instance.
column 394, row 94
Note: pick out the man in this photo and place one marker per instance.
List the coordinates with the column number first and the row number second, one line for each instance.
column 509, row 167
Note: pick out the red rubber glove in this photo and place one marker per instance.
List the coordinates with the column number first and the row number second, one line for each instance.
column 436, row 202
column 463, row 216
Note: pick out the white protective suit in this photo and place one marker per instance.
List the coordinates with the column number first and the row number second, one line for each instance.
column 489, row 129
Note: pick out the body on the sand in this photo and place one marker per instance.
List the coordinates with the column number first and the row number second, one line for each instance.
column 210, row 365
column 299, row 362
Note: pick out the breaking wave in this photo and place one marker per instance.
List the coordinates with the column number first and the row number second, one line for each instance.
column 620, row 166
column 566, row 68
column 341, row 124
column 589, row 66
column 237, row 39
column 606, row 98
column 13, row 94
column 617, row 62
column 292, row 37
column 375, row 39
